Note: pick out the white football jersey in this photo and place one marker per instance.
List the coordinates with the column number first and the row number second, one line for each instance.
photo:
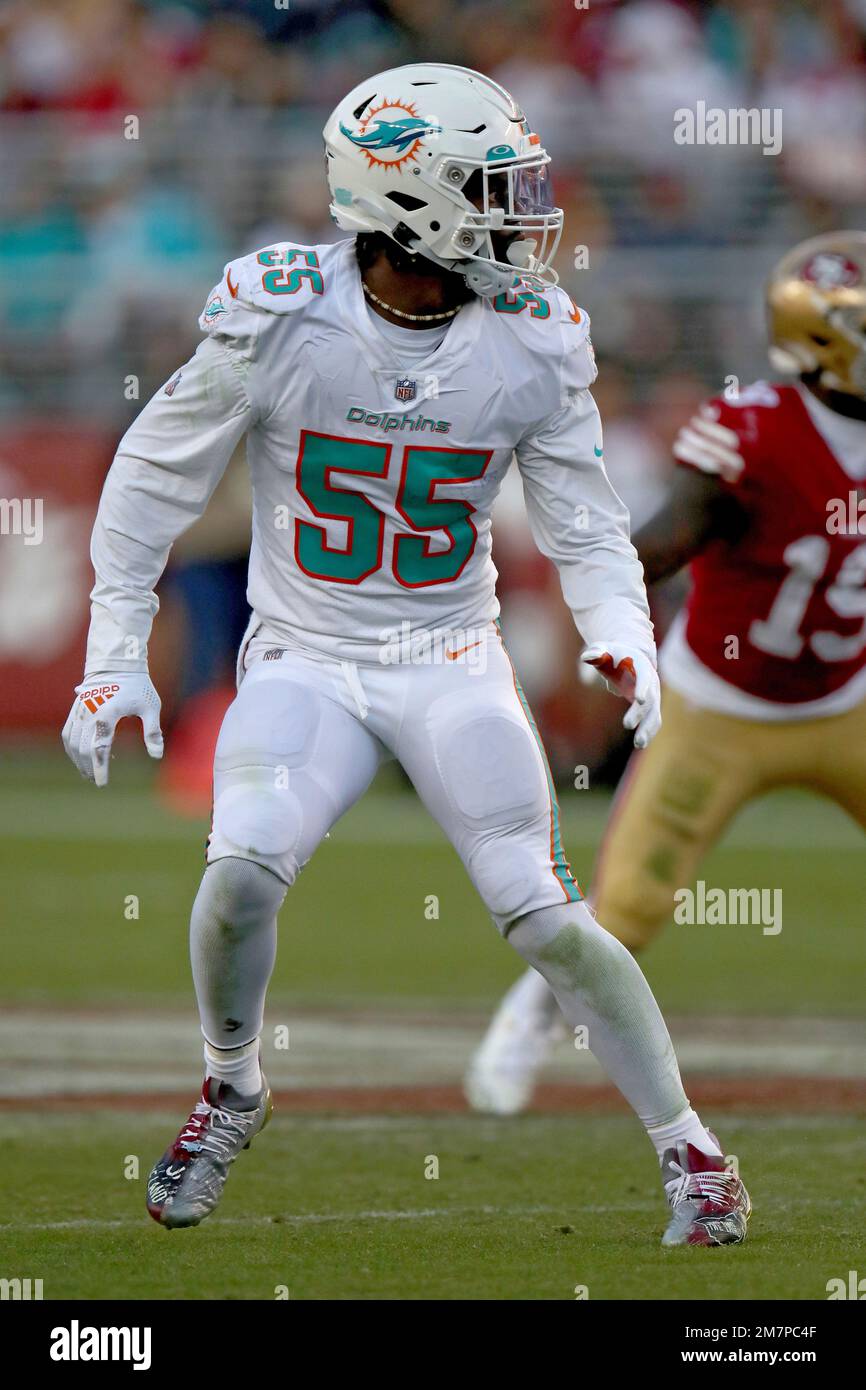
column 373, row 478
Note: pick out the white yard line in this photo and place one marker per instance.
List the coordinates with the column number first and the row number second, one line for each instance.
column 318, row 1218
column 77, row 1053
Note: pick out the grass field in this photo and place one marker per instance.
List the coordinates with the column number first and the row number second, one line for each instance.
column 332, row 1202
column 339, row 1208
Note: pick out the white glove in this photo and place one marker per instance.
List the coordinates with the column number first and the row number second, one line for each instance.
column 632, row 675
column 102, row 701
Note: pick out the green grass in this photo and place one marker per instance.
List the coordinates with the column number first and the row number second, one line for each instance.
column 524, row 1209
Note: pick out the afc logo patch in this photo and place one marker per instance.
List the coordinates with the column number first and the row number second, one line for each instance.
column 406, row 389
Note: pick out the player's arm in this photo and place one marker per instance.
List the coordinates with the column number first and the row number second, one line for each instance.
column 698, row 509
column 579, row 522
column 166, row 468
column 702, row 505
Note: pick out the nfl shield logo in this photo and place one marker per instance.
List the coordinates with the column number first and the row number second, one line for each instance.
column 405, row 389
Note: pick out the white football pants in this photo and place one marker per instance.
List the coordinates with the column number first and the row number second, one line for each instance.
column 305, row 735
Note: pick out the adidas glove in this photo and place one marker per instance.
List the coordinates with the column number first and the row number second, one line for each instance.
column 102, row 701
column 633, row 676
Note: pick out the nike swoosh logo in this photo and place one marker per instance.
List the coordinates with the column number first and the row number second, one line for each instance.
column 233, row 289
column 452, row 656
column 598, row 451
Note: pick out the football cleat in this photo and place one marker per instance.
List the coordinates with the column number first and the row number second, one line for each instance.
column 503, row 1071
column 709, row 1204
column 187, row 1182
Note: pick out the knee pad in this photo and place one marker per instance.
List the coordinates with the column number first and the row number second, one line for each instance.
column 494, row 775
column 509, row 878
column 260, row 821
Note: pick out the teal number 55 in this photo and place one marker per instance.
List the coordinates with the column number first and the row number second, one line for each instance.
column 282, row 280
column 323, row 460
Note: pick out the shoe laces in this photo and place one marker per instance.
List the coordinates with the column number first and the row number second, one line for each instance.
column 719, row 1188
column 199, row 1134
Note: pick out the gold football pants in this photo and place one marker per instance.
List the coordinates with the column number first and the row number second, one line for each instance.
column 678, row 795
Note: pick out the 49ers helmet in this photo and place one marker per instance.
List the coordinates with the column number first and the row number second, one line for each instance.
column 816, row 303
column 400, row 150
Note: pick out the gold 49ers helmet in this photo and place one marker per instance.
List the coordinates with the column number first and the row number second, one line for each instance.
column 816, row 302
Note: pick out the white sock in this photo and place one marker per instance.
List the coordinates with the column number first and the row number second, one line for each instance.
column 599, row 984
column 232, row 946
column 239, row 1066
column 685, row 1126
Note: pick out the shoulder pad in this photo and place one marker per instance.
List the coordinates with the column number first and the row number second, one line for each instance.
column 713, row 441
column 279, row 279
column 551, row 324
column 724, row 436
column 759, row 393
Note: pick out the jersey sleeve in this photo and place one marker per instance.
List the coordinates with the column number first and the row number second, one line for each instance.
column 578, row 369
column 279, row 279
column 576, row 518
column 170, row 461
column 722, row 437
column 166, row 467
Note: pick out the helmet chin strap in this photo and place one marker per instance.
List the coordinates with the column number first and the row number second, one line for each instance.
column 488, row 279
column 483, row 277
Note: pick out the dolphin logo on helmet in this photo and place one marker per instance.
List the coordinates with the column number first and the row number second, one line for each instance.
column 395, row 135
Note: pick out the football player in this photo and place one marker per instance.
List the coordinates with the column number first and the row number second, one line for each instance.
column 765, row 670
column 384, row 385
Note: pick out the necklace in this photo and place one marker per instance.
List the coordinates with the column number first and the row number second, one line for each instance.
column 416, row 318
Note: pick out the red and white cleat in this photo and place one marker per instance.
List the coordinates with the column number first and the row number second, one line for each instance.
column 187, row 1182
column 709, row 1204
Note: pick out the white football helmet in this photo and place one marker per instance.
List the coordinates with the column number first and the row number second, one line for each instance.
column 401, row 148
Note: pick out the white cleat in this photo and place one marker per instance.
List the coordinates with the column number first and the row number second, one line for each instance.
column 502, row 1073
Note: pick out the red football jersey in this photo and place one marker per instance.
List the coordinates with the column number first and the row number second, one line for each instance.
column 779, row 611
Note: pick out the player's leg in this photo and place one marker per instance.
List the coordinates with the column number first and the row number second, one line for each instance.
column 289, row 761
column 474, row 754
column 503, row 1070
column 833, row 754
column 673, row 803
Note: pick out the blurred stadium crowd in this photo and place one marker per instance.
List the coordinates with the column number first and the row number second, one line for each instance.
column 112, row 230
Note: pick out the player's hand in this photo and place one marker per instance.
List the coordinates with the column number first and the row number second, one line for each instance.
column 101, row 702
column 633, row 676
